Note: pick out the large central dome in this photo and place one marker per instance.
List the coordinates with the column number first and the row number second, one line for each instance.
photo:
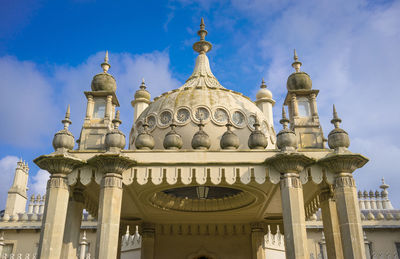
column 202, row 98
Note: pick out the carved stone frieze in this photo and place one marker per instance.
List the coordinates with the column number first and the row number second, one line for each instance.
column 58, row 164
column 290, row 180
column 290, row 162
column 111, row 163
column 345, row 180
column 58, row 181
column 343, row 163
column 111, row 180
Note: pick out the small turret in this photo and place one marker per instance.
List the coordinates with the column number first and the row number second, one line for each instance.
column 257, row 139
column 298, row 80
column 173, row 140
column 229, row 140
column 200, row 139
column 265, row 102
column 64, row 140
column 115, row 139
column 144, row 140
column 286, row 138
column 338, row 139
column 104, row 81
column 141, row 101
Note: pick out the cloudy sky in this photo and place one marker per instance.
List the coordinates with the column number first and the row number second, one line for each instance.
column 50, row 50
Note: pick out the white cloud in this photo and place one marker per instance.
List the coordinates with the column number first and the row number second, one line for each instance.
column 39, row 183
column 7, row 169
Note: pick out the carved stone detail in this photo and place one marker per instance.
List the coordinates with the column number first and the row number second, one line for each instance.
column 290, row 162
column 291, row 180
column 345, row 180
column 111, row 180
column 58, row 181
column 111, row 163
column 343, row 163
column 58, row 164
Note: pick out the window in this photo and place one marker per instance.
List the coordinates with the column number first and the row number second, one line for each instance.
column 303, row 107
column 99, row 108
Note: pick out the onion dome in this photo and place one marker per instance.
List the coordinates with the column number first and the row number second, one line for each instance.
column 263, row 93
column 257, row 139
column 200, row 139
column 337, row 138
column 144, row 140
column 142, row 94
column 229, row 140
column 172, row 139
column 64, row 140
column 115, row 139
column 104, row 81
column 286, row 138
column 298, row 80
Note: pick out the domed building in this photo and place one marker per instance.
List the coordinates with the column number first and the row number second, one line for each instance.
column 202, row 175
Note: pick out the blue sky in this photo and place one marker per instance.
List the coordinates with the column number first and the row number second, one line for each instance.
column 50, row 50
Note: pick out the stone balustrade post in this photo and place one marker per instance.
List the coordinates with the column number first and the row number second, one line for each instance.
column 56, row 203
column 110, row 200
column 330, row 222
column 290, row 165
column 148, row 241
column 342, row 165
column 73, row 223
column 257, row 240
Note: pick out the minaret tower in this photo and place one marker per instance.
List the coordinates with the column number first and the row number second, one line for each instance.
column 100, row 110
column 302, row 105
column 265, row 102
column 16, row 199
column 141, row 101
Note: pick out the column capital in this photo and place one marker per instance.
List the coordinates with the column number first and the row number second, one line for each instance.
column 112, row 163
column 58, row 163
column 289, row 162
column 343, row 163
column 257, row 226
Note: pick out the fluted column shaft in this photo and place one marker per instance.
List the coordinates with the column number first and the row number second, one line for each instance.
column 109, row 216
column 73, row 224
column 293, row 216
column 349, row 216
column 148, row 241
column 257, row 241
column 331, row 225
column 55, row 213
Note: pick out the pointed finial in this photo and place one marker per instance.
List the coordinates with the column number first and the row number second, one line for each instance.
column 66, row 121
column 296, row 64
column 127, row 230
column 116, row 121
column 336, row 120
column 263, row 85
column 284, row 121
column 383, row 186
column 202, row 46
column 84, row 235
column 105, row 66
column 143, row 85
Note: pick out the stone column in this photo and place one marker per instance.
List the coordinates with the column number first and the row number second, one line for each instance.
column 148, row 240
column 331, row 223
column 89, row 108
column 110, row 199
column 313, row 103
column 295, row 109
column 347, row 202
column 57, row 195
column 290, row 165
column 108, row 112
column 257, row 241
column 73, row 223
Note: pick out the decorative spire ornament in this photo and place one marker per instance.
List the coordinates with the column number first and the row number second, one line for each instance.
column 143, row 85
column 286, row 138
column 201, row 140
column 202, row 46
column 105, row 65
column 296, row 64
column 338, row 139
column 64, row 140
column 67, row 120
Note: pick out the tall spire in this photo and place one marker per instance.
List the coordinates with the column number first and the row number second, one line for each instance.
column 296, row 64
column 105, row 66
column 66, row 121
column 284, row 121
column 202, row 75
column 336, row 120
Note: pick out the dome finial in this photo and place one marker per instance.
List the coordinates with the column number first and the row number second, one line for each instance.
column 336, row 120
column 263, row 85
column 384, row 186
column 116, row 121
column 105, row 66
column 143, row 85
column 296, row 64
column 202, row 46
column 66, row 121
column 284, row 121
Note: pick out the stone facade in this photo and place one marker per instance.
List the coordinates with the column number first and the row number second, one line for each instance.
column 205, row 176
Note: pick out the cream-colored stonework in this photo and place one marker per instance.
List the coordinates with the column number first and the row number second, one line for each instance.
column 197, row 181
